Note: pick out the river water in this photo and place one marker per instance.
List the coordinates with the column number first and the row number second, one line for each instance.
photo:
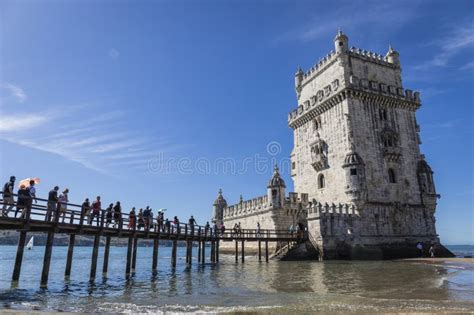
column 275, row 288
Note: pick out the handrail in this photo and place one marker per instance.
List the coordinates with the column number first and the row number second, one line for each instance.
column 70, row 213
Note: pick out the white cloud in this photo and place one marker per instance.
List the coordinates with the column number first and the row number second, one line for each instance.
column 15, row 91
column 468, row 66
column 458, row 39
column 351, row 17
column 18, row 123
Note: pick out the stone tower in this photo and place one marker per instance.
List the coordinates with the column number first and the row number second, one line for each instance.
column 356, row 154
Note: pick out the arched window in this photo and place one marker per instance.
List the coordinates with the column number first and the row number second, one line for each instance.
column 321, row 181
column 391, row 176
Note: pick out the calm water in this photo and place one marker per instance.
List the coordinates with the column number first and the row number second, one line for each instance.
column 276, row 287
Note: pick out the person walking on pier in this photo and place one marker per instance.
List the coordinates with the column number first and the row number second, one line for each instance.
column 159, row 221
column 131, row 219
column 8, row 199
column 258, row 233
column 146, row 217
column 207, row 227
column 63, row 200
column 140, row 219
column 52, row 203
column 86, row 210
column 191, row 223
column 22, row 201
column 168, row 225
column 108, row 214
column 222, row 229
column 215, row 229
column 176, row 224
column 117, row 215
column 96, row 207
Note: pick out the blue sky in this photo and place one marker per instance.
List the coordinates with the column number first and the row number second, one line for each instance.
column 97, row 96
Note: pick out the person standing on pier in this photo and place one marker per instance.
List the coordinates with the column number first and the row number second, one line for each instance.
column 215, row 229
column 86, row 210
column 159, row 220
column 63, row 200
column 207, row 227
column 140, row 219
column 52, row 203
column 22, row 201
column 146, row 217
column 96, row 207
column 131, row 219
column 258, row 230
column 168, row 225
column 108, row 214
column 117, row 214
column 8, row 199
column 176, row 224
column 222, row 229
column 191, row 223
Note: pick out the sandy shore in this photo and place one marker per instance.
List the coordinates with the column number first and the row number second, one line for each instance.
column 441, row 260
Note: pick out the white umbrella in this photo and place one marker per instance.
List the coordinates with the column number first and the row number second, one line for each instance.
column 26, row 182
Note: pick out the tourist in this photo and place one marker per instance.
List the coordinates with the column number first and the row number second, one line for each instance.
column 22, row 201
column 108, row 214
column 419, row 246
column 151, row 218
column 146, row 217
column 140, row 219
column 222, row 229
column 290, row 230
column 168, row 225
column 432, row 251
column 206, row 228
column 258, row 229
column 52, row 203
column 159, row 220
column 117, row 215
column 131, row 219
column 63, row 200
column 215, row 230
column 32, row 191
column 176, row 224
column 86, row 210
column 8, row 199
column 96, row 208
column 191, row 223
column 236, row 229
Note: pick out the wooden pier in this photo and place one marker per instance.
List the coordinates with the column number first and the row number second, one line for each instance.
column 75, row 223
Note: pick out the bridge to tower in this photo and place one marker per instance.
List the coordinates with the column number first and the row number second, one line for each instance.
column 75, row 222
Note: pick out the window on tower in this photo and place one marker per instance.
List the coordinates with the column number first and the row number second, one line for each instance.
column 321, row 181
column 353, row 171
column 391, row 176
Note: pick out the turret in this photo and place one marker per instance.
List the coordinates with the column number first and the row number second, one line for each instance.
column 341, row 42
column 276, row 189
column 426, row 182
column 356, row 185
column 218, row 208
column 393, row 56
column 298, row 81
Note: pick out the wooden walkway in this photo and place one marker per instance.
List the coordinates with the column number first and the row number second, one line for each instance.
column 74, row 222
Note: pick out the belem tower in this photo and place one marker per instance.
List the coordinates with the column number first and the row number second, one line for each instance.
column 363, row 188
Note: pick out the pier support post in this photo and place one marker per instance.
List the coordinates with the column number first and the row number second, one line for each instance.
column 155, row 254
column 129, row 255
column 70, row 252
column 105, row 266
column 212, row 251
column 259, row 250
column 203, row 253
column 173, row 253
column 47, row 259
column 236, row 251
column 266, row 251
column 189, row 252
column 134, row 256
column 19, row 256
column 95, row 254
column 217, row 251
column 199, row 251
column 243, row 251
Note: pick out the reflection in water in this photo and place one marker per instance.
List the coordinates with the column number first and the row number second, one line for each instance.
column 277, row 287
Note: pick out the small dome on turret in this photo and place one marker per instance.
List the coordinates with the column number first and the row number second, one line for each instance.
column 220, row 200
column 392, row 56
column 341, row 42
column 276, row 180
column 352, row 158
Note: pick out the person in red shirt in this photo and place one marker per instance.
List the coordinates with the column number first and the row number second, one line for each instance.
column 96, row 207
